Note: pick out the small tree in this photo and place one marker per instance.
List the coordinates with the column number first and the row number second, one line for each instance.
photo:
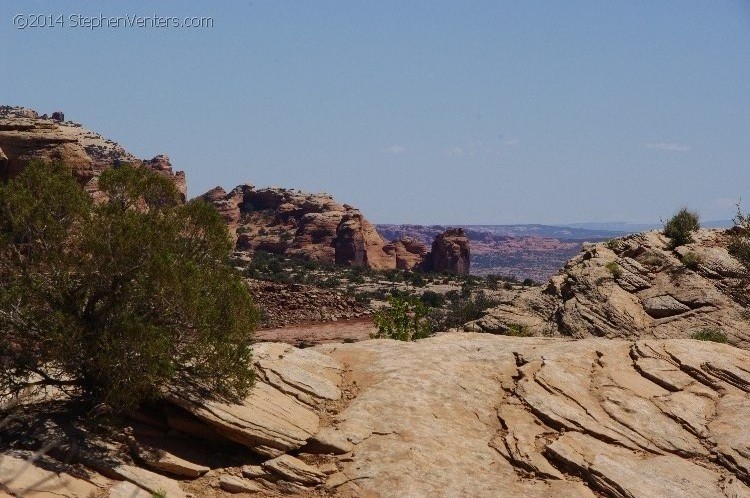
column 119, row 300
column 404, row 320
column 680, row 227
column 739, row 242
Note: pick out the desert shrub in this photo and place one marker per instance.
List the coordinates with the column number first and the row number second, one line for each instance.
column 518, row 330
column 652, row 259
column 120, row 300
column 527, row 282
column 452, row 295
column 507, row 286
column 432, row 299
column 403, row 320
column 739, row 241
column 461, row 311
column 416, row 279
column 692, row 260
column 362, row 297
column 713, row 334
column 614, row 269
column 680, row 227
column 614, row 244
column 331, row 282
column 493, row 281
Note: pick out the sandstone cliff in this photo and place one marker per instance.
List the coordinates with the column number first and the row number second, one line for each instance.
column 315, row 227
column 636, row 287
column 25, row 136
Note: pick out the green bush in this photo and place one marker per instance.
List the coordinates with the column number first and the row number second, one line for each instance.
column 692, row 260
column 461, row 311
column 403, row 320
column 739, row 241
column 680, row 227
column 120, row 300
column 614, row 269
column 710, row 334
column 432, row 299
column 518, row 330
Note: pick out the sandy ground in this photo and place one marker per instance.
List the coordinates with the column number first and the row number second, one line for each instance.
column 357, row 329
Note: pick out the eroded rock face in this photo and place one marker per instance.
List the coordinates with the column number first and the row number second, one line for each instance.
column 297, row 224
column 410, row 253
column 25, row 137
column 533, row 416
column 450, row 252
column 636, row 287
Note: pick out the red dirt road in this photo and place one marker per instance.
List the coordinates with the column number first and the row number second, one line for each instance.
column 357, row 329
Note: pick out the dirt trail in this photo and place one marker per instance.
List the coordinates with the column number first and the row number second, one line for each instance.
column 357, row 329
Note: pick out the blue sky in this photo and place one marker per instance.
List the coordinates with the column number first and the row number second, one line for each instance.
column 424, row 112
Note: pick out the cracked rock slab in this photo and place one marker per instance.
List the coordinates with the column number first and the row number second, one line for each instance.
column 464, row 414
column 21, row 477
column 295, row 470
column 267, row 421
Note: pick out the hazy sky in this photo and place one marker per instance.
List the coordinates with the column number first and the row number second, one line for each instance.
column 424, row 112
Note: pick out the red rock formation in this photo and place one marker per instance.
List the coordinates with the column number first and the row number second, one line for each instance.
column 25, row 137
column 301, row 225
column 450, row 252
column 410, row 253
column 359, row 244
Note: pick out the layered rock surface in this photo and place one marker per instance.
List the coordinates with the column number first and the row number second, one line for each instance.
column 482, row 415
column 637, row 287
column 459, row 414
column 25, row 136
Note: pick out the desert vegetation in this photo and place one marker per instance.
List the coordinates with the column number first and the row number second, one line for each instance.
column 679, row 227
column 118, row 300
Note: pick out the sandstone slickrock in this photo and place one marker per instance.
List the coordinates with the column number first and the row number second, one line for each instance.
column 651, row 294
column 465, row 414
column 267, row 421
column 295, row 470
column 307, row 375
column 127, row 489
column 25, row 137
column 150, row 481
column 278, row 415
column 21, row 475
column 234, row 484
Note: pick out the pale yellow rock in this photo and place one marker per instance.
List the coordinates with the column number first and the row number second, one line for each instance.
column 464, row 414
column 23, row 478
column 295, row 470
column 266, row 418
column 127, row 489
column 150, row 481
